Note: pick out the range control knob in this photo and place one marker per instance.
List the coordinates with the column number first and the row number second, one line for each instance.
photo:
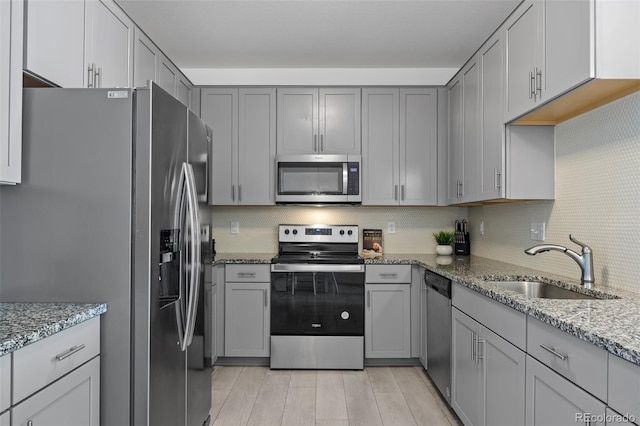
column 286, row 232
column 350, row 232
column 295, row 232
column 342, row 232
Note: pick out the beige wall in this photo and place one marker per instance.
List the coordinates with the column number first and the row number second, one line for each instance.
column 597, row 200
column 258, row 225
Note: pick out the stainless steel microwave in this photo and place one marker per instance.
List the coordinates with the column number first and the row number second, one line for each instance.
column 318, row 179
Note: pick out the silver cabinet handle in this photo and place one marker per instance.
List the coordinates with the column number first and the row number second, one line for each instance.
column 72, row 350
column 264, row 292
column 233, row 193
column 497, row 179
column 473, row 346
column 479, row 355
column 402, row 192
column 532, row 79
column 30, row 423
column 246, row 274
column 395, row 192
column 315, row 143
column 554, row 352
column 98, row 77
column 538, row 85
column 388, row 275
column 239, row 193
column 459, row 191
column 321, row 143
column 368, row 298
column 90, row 75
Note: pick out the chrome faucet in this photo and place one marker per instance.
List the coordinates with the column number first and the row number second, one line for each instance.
column 585, row 260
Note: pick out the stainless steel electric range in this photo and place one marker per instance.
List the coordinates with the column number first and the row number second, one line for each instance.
column 317, row 298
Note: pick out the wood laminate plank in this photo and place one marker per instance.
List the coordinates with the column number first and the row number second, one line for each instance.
column 394, row 409
column 269, row 406
column 224, row 377
column 361, row 402
column 423, row 405
column 237, row 408
column 300, row 408
column 331, row 403
column 303, row 378
column 382, row 380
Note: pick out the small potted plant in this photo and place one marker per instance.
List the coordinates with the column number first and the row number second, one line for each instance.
column 444, row 240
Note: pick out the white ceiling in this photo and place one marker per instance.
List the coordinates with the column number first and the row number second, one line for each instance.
column 318, row 34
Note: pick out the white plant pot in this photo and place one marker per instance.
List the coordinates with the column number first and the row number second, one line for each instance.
column 444, row 250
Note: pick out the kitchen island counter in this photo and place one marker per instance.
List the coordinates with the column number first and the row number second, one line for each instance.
column 24, row 323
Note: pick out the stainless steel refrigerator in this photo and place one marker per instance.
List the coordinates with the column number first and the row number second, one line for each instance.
column 112, row 209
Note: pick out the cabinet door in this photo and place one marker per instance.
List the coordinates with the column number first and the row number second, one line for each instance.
column 167, row 75
column 339, row 121
column 220, row 111
column 109, row 43
column 387, row 321
column 146, row 57
column 553, row 400
column 72, row 400
column 297, row 121
column 11, row 47
column 256, row 146
column 466, row 373
column 455, row 146
column 568, row 45
column 471, row 131
column 418, row 147
column 491, row 61
column 523, row 39
column 5, row 419
column 246, row 319
column 54, row 42
column 380, row 146
column 183, row 90
column 213, row 326
column 423, row 322
column 503, row 380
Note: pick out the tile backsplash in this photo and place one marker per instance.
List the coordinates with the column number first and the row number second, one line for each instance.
column 258, row 225
column 597, row 200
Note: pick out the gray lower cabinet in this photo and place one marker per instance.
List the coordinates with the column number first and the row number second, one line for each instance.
column 553, row 400
column 488, row 375
column 247, row 311
column 423, row 318
column 5, row 419
column 72, row 400
column 624, row 388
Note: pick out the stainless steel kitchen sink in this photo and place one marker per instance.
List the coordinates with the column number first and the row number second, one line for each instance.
column 541, row 290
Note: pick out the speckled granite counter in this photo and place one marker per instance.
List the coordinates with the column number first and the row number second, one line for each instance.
column 25, row 323
column 612, row 323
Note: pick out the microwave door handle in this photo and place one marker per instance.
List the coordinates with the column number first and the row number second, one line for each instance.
column 345, row 178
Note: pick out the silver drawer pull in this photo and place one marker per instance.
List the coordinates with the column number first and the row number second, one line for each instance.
column 388, row 275
column 246, row 274
column 556, row 353
column 72, row 350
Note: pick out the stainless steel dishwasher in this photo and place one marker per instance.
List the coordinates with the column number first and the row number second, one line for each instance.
column 439, row 332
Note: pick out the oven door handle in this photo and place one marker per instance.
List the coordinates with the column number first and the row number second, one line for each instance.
column 288, row 267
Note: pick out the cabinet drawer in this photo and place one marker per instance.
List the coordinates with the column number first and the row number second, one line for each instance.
column 624, row 386
column 5, row 382
column 502, row 320
column 577, row 360
column 388, row 274
column 40, row 363
column 247, row 273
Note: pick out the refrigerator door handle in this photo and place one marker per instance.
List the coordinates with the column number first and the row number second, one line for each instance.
column 195, row 254
column 179, row 221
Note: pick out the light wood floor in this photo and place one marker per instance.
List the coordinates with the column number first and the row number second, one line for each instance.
column 374, row 396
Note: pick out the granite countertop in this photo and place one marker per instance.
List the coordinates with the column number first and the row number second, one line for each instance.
column 25, row 323
column 611, row 323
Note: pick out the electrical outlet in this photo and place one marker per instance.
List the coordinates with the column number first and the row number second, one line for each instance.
column 235, row 227
column 391, row 227
column 538, row 231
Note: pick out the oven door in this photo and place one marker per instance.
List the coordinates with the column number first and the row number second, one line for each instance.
column 317, row 300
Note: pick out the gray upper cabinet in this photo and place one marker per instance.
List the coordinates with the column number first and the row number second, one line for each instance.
column 146, row 58
column 556, row 46
column 464, row 134
column 11, row 37
column 324, row 121
column 79, row 44
column 109, row 45
column 244, row 141
column 523, row 37
column 399, row 146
